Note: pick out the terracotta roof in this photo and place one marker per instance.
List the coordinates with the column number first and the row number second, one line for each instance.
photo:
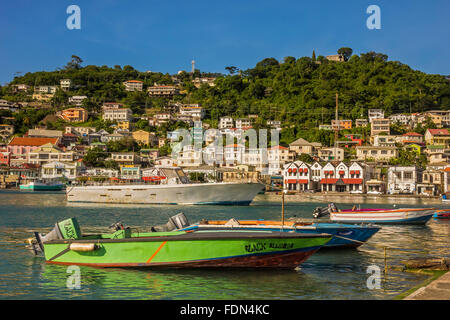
column 439, row 132
column 31, row 141
column 410, row 134
column 279, row 148
column 133, row 81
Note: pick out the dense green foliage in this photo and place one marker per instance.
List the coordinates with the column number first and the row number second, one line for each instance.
column 303, row 93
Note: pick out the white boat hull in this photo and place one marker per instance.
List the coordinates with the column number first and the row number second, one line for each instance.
column 200, row 193
column 398, row 216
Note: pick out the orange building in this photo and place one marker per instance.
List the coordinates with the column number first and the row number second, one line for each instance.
column 74, row 115
column 341, row 124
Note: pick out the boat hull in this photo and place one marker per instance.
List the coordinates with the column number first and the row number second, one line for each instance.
column 442, row 214
column 192, row 250
column 399, row 216
column 198, row 194
column 344, row 235
column 41, row 187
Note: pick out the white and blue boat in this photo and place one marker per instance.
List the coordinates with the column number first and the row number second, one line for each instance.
column 384, row 216
column 344, row 235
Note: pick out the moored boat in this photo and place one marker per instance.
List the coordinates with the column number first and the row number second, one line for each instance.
column 171, row 187
column 377, row 216
column 177, row 249
column 442, row 214
column 344, row 235
column 446, row 197
column 42, row 186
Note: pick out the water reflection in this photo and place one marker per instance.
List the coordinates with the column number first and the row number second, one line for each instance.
column 326, row 275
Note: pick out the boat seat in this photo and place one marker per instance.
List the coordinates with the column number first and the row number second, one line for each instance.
column 232, row 223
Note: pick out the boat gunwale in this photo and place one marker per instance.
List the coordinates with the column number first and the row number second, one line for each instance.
column 198, row 236
column 383, row 211
column 287, row 224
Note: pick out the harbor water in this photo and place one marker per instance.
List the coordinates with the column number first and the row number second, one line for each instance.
column 329, row 274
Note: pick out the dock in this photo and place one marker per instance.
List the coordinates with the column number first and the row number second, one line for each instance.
column 438, row 289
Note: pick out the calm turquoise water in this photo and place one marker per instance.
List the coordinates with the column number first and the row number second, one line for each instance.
column 326, row 275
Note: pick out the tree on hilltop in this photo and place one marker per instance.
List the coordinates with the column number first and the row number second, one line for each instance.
column 74, row 63
column 345, row 52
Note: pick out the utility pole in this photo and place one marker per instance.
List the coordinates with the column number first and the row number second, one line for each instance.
column 336, row 130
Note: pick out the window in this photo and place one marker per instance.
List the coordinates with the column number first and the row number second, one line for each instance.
column 407, row 175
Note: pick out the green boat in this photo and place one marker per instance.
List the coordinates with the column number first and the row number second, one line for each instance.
column 175, row 249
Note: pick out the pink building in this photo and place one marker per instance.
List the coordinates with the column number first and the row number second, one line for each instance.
column 20, row 146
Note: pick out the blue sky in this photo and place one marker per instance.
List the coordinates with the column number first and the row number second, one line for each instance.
column 165, row 36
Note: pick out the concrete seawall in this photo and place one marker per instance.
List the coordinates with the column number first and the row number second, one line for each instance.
column 438, row 289
column 349, row 198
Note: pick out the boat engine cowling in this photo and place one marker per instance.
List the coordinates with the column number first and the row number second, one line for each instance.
column 178, row 221
column 66, row 229
column 320, row 212
column 324, row 211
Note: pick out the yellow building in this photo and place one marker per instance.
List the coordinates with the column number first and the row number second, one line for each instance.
column 144, row 137
column 74, row 115
column 124, row 125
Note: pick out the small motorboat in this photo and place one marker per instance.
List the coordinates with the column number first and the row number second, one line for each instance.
column 446, row 197
column 42, row 186
column 344, row 235
column 442, row 214
column 66, row 245
column 377, row 216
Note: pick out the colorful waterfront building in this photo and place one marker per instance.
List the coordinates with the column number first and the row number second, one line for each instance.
column 297, row 176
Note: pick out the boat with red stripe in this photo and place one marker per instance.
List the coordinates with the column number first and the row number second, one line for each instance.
column 377, row 215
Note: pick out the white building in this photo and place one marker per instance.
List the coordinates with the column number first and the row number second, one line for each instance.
column 274, row 124
column 226, row 123
column 384, row 141
column 297, row 176
column 277, row 157
column 55, row 170
column 80, row 131
column 233, row 155
column 192, row 110
column 327, row 154
column 402, row 180
column 66, row 84
column 316, row 173
column 243, row 123
column 77, row 100
column 189, row 156
column 133, row 85
column 118, row 114
column 403, row 119
column 375, row 114
column 46, row 89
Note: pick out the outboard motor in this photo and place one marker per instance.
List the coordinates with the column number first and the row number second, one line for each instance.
column 178, row 221
column 332, row 207
column 320, row 212
column 67, row 229
column 324, row 211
